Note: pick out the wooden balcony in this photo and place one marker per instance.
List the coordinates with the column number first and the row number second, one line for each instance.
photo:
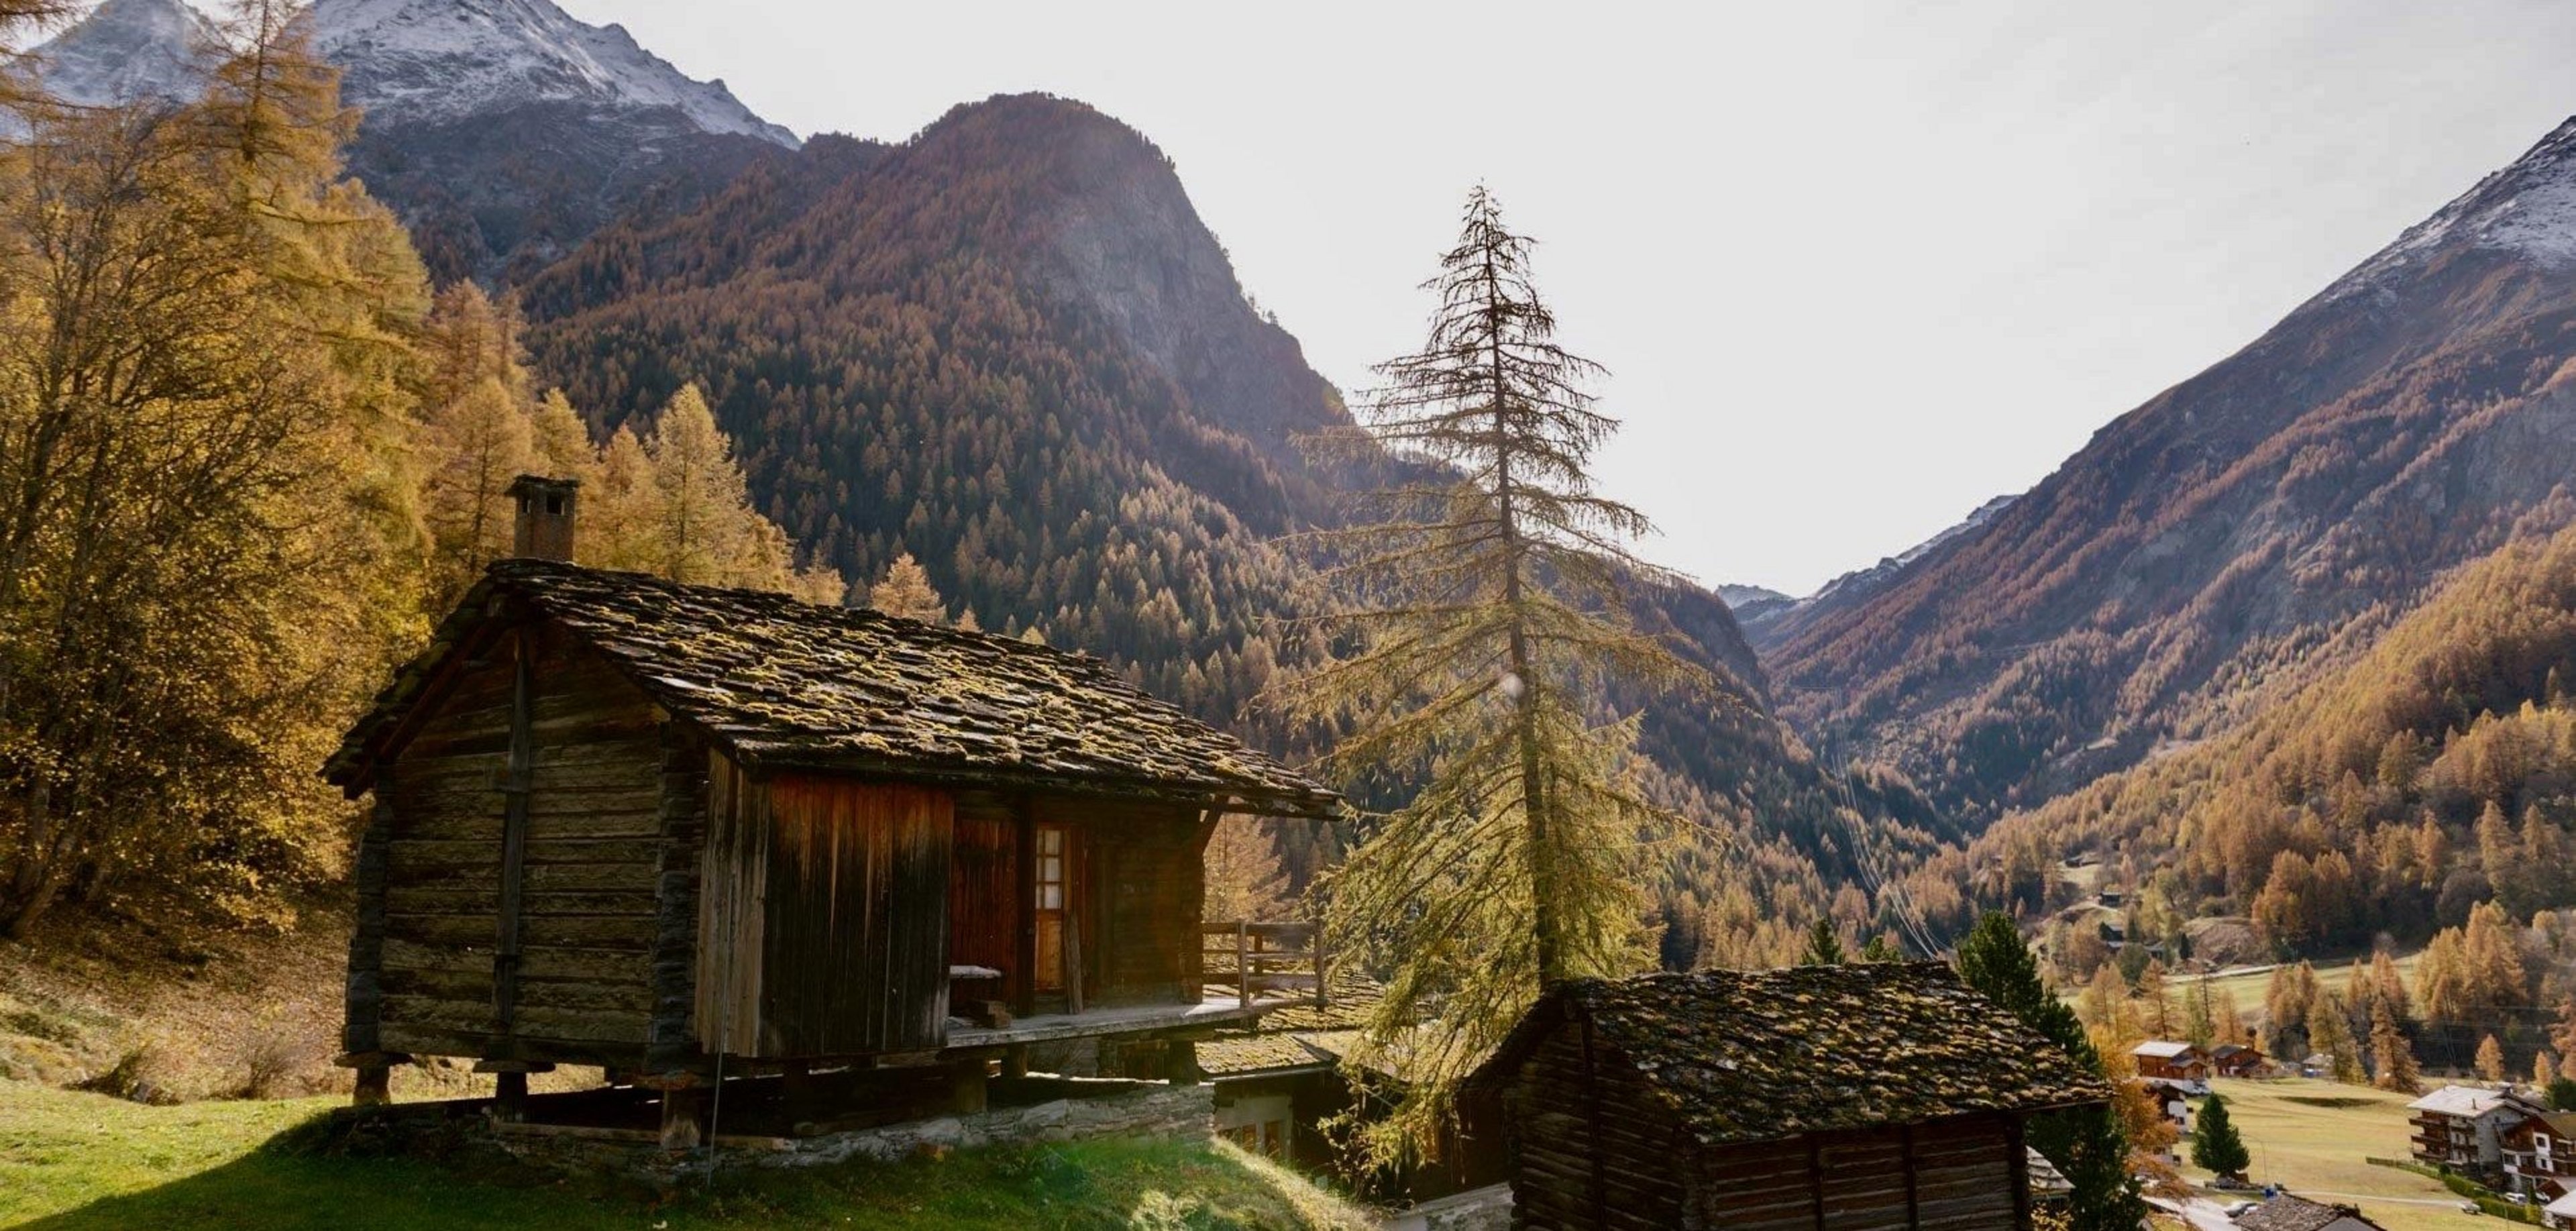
column 1263, row 963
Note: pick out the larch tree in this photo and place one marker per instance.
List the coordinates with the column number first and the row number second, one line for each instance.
column 1245, row 881
column 2088, row 1145
column 701, row 491
column 621, row 512
column 2393, row 1054
column 203, row 412
column 905, row 591
column 2490, row 1059
column 2330, row 1032
column 1477, row 617
column 2200, row 1022
column 476, row 444
column 2562, row 1036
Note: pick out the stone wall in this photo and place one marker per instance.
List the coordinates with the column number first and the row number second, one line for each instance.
column 1090, row 1109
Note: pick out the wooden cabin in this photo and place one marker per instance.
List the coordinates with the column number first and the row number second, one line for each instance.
column 2237, row 1060
column 2171, row 1060
column 1863, row 1097
column 2540, row 1155
column 624, row 822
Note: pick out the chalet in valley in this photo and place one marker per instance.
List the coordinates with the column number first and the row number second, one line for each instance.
column 2237, row 1060
column 2539, row 1150
column 1871, row 1096
column 2561, row 1214
column 684, row 833
column 2463, row 1127
column 2167, row 1060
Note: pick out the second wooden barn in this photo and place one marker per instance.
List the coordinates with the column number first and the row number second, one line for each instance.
column 675, row 831
column 1868, row 1097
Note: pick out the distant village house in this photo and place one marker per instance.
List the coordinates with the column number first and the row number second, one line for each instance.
column 2167, row 1060
column 2464, row 1127
column 1870, row 1096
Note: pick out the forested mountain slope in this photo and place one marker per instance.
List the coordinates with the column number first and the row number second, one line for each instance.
column 1010, row 348
column 2434, row 772
column 2237, row 534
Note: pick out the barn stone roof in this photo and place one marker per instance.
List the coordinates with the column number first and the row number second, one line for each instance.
column 1297, row 1036
column 2289, row 1213
column 1740, row 1056
column 783, row 683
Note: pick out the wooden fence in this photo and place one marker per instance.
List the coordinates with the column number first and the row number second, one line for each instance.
column 1261, row 961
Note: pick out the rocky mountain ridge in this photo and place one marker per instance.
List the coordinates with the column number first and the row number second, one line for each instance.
column 504, row 132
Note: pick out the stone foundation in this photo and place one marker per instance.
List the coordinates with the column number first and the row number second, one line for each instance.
column 1081, row 1109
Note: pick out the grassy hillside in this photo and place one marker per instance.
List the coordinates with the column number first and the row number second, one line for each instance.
column 73, row 1161
column 2312, row 1136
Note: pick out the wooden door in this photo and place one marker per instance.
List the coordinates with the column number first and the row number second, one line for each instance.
column 1054, row 903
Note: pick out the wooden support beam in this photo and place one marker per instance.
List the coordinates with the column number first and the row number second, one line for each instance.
column 966, row 1082
column 796, row 1080
column 1015, row 1060
column 1024, row 861
column 2019, row 1161
column 360, row 1029
column 514, row 828
column 1816, row 1180
column 510, row 1097
column 375, row 1075
column 1913, row 1184
column 682, row 1111
column 375, row 1086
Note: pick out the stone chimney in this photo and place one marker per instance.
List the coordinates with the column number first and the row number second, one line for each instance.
column 545, row 517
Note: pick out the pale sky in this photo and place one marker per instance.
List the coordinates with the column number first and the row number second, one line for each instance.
column 1854, row 268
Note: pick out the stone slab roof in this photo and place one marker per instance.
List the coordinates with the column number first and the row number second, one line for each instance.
column 782, row 683
column 1740, row 1056
column 2289, row 1213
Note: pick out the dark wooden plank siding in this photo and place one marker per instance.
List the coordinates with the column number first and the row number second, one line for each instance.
column 1143, row 889
column 588, row 893
column 1589, row 1149
column 984, row 907
column 827, row 917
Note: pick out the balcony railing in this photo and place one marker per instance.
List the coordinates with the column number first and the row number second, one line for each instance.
column 1261, row 962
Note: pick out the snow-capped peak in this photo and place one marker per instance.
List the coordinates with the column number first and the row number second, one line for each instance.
column 128, row 50
column 2528, row 208
column 405, row 61
column 433, row 60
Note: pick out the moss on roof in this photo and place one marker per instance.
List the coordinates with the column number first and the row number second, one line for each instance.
column 1763, row 1055
column 783, row 683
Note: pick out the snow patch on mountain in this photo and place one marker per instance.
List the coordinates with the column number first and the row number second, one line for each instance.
column 130, row 50
column 406, row 62
column 2528, row 208
column 431, row 61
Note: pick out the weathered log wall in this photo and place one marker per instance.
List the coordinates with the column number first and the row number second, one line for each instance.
column 1594, row 1147
column 1591, row 1147
column 586, row 890
column 826, row 917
